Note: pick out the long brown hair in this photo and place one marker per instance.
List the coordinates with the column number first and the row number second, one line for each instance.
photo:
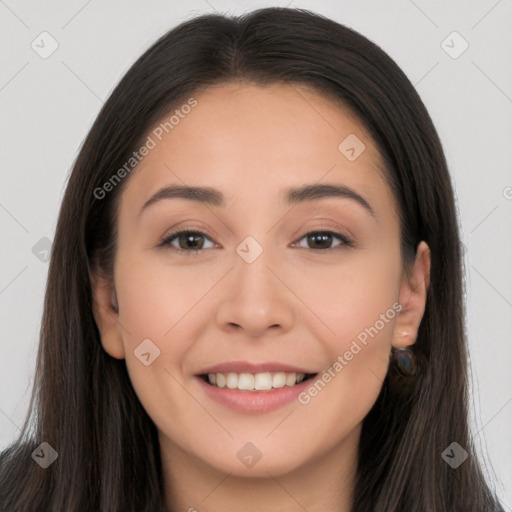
column 83, row 403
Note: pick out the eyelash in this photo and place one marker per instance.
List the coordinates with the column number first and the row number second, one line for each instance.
column 166, row 241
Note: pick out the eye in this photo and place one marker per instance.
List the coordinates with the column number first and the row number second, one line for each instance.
column 324, row 239
column 187, row 240
column 191, row 241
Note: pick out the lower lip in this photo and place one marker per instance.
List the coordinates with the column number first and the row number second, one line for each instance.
column 254, row 401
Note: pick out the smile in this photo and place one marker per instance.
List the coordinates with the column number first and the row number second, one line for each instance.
column 253, row 393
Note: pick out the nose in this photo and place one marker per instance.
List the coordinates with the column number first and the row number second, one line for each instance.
column 256, row 299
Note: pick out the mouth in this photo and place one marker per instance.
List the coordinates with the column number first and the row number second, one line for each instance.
column 251, row 382
column 253, row 387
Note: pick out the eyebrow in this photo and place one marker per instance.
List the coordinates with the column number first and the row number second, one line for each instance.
column 319, row 191
column 213, row 197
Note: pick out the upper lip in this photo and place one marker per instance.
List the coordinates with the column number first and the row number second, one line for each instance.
column 247, row 367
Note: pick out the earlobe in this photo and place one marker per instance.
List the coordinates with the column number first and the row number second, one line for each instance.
column 105, row 312
column 412, row 298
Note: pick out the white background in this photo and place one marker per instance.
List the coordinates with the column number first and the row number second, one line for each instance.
column 48, row 105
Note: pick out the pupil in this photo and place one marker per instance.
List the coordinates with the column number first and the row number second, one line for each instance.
column 319, row 238
column 191, row 238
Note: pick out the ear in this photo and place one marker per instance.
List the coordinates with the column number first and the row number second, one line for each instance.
column 105, row 313
column 412, row 297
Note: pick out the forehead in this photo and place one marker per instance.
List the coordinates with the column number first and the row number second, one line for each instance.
column 251, row 141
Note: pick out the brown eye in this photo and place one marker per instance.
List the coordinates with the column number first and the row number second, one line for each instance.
column 187, row 240
column 320, row 240
column 324, row 239
column 190, row 241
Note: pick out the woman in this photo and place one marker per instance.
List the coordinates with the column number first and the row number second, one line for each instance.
column 254, row 300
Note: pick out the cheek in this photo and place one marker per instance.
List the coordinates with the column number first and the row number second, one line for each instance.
column 351, row 296
column 157, row 303
column 155, row 298
column 356, row 306
column 152, row 308
column 164, row 304
column 360, row 311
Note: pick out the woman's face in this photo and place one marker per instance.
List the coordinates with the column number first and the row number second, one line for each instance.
column 275, row 281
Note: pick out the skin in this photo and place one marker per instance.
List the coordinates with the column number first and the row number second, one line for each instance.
column 294, row 304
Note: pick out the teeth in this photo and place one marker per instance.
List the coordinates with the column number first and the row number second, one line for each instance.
column 279, row 380
column 232, row 381
column 255, row 382
column 263, row 381
column 290, row 379
column 219, row 378
column 245, row 381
